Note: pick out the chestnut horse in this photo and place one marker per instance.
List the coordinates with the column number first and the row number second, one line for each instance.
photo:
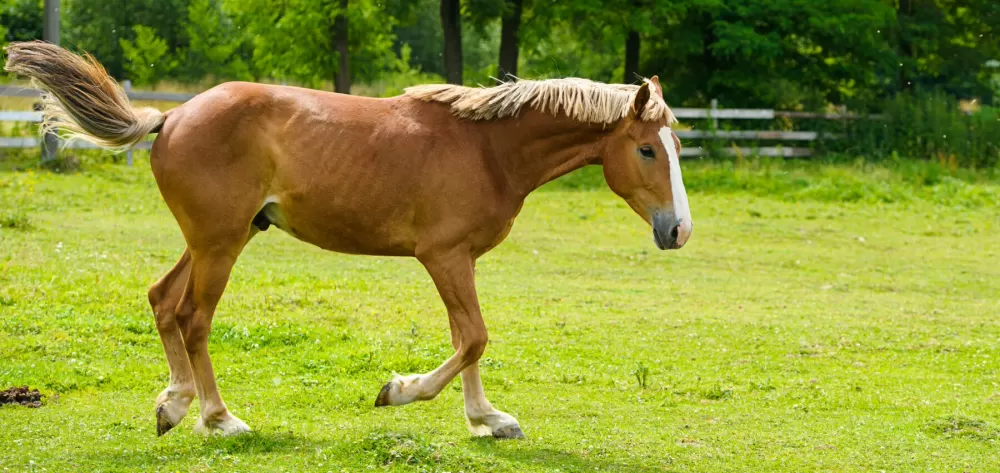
column 438, row 173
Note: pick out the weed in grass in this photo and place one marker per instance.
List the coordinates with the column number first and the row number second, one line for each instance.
column 717, row 393
column 641, row 374
column 392, row 448
column 15, row 220
column 965, row 427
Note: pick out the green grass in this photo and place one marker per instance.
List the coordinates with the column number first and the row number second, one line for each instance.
column 822, row 318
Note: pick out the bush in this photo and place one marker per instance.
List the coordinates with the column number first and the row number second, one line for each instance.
column 926, row 126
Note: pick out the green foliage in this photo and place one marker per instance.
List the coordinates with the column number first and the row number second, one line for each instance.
column 294, row 41
column 784, row 54
column 98, row 26
column 14, row 219
column 217, row 46
column 147, row 58
column 20, row 20
column 419, row 28
column 926, row 126
column 943, row 45
column 581, row 39
column 393, row 83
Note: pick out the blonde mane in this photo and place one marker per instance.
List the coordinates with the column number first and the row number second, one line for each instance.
column 580, row 99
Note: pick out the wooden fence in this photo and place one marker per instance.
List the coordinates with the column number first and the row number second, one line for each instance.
column 49, row 146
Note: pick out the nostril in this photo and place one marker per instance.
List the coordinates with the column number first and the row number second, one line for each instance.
column 674, row 232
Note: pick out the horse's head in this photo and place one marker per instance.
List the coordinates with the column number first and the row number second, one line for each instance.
column 642, row 165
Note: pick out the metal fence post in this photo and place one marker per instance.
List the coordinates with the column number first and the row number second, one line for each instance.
column 127, row 85
column 50, row 33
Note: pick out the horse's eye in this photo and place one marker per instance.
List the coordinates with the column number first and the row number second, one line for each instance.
column 647, row 152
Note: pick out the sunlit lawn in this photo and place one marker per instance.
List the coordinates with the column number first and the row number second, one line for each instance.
column 795, row 332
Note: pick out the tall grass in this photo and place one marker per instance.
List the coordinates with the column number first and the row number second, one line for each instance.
column 924, row 126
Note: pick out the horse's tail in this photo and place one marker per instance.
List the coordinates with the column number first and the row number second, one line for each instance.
column 81, row 100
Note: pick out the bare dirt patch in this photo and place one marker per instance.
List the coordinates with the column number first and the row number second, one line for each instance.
column 21, row 395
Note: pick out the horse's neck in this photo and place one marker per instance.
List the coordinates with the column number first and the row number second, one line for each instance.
column 537, row 148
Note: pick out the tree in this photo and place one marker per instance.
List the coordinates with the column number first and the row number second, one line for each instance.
column 217, row 47
column 20, row 20
column 771, row 53
column 945, row 44
column 632, row 43
column 97, row 26
column 147, row 58
column 342, row 79
column 583, row 38
column 452, row 26
column 419, row 28
column 509, row 38
column 299, row 40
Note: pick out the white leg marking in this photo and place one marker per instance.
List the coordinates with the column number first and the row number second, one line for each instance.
column 226, row 426
column 681, row 210
column 407, row 389
column 482, row 417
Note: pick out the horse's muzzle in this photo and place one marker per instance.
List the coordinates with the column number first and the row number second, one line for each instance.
column 669, row 233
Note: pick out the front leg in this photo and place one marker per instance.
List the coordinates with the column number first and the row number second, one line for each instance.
column 454, row 275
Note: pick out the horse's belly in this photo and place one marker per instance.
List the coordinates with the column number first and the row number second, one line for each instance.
column 344, row 230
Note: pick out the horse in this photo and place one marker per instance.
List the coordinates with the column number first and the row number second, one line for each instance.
column 438, row 173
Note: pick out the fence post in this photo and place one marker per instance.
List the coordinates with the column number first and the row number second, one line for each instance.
column 127, row 85
column 50, row 143
column 715, row 121
column 50, row 33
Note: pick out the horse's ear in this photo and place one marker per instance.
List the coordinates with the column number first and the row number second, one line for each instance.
column 641, row 99
column 656, row 84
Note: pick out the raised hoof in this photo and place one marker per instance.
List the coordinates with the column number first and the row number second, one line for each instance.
column 512, row 431
column 162, row 424
column 383, row 396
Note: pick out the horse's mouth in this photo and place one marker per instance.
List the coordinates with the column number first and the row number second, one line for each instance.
column 668, row 232
column 664, row 241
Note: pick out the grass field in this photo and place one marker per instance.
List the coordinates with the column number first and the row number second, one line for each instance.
column 822, row 318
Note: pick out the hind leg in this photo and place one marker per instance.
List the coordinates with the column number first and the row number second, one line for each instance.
column 210, row 270
column 172, row 404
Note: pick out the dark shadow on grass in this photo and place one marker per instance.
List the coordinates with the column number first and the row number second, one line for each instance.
column 156, row 452
column 552, row 459
column 388, row 448
column 256, row 443
column 381, row 449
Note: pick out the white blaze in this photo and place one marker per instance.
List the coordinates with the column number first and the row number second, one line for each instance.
column 681, row 210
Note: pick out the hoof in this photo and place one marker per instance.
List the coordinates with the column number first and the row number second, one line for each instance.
column 512, row 431
column 383, row 396
column 171, row 407
column 163, row 425
column 228, row 426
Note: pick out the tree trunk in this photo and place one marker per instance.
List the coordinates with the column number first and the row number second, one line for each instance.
column 342, row 79
column 631, row 56
column 451, row 24
column 904, row 16
column 509, row 40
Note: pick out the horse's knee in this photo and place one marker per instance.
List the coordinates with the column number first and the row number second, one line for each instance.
column 155, row 294
column 162, row 314
column 474, row 344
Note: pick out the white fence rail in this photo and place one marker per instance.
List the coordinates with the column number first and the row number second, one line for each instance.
column 47, row 144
